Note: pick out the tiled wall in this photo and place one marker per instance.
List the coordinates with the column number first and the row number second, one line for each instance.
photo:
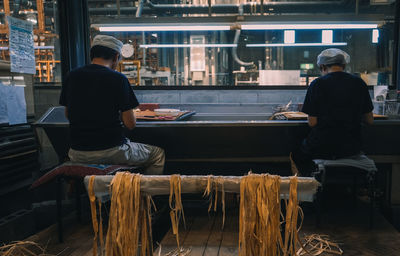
column 220, row 96
column 48, row 97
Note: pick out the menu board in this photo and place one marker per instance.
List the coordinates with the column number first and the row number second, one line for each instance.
column 22, row 53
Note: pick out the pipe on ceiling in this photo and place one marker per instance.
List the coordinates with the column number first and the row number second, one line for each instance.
column 139, row 9
column 236, row 41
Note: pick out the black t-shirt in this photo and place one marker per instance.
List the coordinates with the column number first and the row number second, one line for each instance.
column 95, row 96
column 338, row 100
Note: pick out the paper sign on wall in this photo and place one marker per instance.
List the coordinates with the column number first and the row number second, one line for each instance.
column 12, row 105
column 22, row 53
column 3, row 104
column 16, row 105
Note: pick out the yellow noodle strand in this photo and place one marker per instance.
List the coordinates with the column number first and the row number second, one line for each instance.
column 212, row 189
column 129, row 221
column 259, row 215
column 95, row 224
column 175, row 204
column 101, row 235
column 223, row 201
column 293, row 211
column 318, row 244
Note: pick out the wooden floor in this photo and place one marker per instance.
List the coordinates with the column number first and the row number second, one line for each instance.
column 203, row 234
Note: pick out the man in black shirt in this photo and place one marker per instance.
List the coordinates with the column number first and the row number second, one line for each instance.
column 96, row 99
column 336, row 103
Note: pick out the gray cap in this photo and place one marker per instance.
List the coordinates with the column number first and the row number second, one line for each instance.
column 333, row 56
column 108, row 41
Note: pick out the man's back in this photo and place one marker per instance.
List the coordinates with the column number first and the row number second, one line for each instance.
column 94, row 96
column 339, row 100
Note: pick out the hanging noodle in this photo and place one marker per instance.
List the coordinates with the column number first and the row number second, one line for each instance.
column 208, row 190
column 97, row 226
column 292, row 213
column 175, row 203
column 259, row 215
column 129, row 219
column 213, row 183
column 221, row 181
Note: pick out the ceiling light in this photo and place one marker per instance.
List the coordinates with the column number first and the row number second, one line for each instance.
column 151, row 28
column 296, row 44
column 185, row 45
column 306, row 26
column 289, row 37
column 375, row 36
column 327, row 36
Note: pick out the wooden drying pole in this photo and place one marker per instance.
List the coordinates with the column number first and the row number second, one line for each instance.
column 194, row 184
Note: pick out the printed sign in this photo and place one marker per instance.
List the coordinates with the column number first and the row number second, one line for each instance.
column 3, row 104
column 22, row 53
column 12, row 105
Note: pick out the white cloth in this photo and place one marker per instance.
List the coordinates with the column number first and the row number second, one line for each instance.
column 358, row 161
column 152, row 158
column 108, row 41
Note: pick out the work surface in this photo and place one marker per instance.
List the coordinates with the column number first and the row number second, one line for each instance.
column 225, row 141
column 203, row 234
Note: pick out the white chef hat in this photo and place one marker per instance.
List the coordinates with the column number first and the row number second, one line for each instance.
column 108, row 41
column 333, row 56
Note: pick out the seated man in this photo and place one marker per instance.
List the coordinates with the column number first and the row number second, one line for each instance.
column 336, row 103
column 96, row 99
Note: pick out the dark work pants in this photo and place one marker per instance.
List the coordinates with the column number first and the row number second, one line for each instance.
column 303, row 160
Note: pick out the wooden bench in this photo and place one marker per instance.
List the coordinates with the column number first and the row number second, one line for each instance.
column 74, row 174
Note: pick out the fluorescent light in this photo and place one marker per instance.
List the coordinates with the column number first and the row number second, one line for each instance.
column 306, row 26
column 295, row 44
column 375, row 36
column 151, row 28
column 185, row 45
column 327, row 36
column 225, row 27
column 289, row 36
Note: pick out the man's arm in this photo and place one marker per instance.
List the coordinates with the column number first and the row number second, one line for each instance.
column 129, row 119
column 312, row 121
column 368, row 118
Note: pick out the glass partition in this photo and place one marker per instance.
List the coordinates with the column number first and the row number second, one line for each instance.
column 43, row 15
column 234, row 43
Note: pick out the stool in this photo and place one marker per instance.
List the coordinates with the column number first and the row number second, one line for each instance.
column 346, row 167
column 75, row 172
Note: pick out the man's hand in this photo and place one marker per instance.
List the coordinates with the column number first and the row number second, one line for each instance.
column 312, row 121
column 368, row 118
column 129, row 119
